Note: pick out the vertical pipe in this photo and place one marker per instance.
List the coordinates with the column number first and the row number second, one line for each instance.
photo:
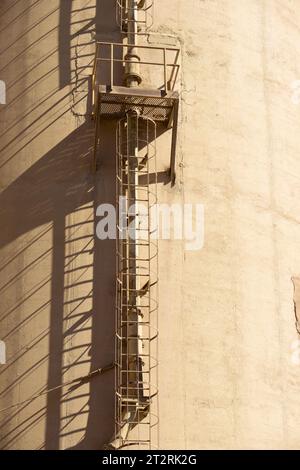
column 132, row 69
column 132, row 123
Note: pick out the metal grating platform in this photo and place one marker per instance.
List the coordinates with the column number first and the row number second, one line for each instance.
column 155, row 105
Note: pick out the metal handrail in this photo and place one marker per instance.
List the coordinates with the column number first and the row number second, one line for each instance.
column 146, row 12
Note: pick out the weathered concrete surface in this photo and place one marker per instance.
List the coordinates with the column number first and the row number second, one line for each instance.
column 227, row 319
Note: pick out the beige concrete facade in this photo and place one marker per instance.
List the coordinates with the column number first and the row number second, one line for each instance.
column 226, row 317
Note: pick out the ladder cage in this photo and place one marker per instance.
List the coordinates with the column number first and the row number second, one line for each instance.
column 144, row 14
column 136, row 342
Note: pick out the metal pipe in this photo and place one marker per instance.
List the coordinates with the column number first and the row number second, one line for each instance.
column 106, row 43
column 131, row 314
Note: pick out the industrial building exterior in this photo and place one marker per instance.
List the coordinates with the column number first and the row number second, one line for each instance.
column 143, row 343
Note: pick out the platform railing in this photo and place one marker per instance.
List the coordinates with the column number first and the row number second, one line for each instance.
column 136, row 354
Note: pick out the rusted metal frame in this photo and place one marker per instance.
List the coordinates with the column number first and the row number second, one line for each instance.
column 169, row 82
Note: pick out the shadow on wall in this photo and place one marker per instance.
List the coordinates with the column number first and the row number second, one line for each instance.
column 60, row 184
column 103, row 25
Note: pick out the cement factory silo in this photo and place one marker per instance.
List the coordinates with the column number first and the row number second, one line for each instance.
column 114, row 343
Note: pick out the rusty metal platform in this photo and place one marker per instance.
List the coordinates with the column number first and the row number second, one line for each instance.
column 155, row 104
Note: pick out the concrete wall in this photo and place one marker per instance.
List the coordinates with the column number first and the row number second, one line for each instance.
column 226, row 316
